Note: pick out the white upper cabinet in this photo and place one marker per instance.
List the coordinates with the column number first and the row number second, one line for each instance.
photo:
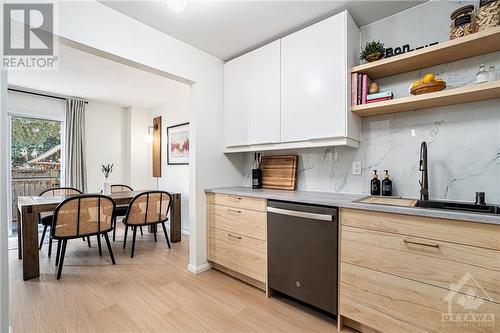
column 294, row 92
column 252, row 97
column 237, row 101
column 265, row 88
column 313, row 82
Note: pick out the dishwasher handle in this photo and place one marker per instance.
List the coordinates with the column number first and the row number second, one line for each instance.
column 306, row 215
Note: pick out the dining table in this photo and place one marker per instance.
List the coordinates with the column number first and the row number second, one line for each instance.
column 29, row 208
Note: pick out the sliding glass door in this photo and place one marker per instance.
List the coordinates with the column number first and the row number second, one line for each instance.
column 35, row 154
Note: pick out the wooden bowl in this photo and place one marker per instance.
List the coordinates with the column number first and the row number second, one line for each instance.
column 429, row 87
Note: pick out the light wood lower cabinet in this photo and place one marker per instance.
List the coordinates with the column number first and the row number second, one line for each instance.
column 392, row 304
column 236, row 236
column 401, row 273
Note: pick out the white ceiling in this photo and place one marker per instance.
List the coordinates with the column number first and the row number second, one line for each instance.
column 81, row 74
column 227, row 29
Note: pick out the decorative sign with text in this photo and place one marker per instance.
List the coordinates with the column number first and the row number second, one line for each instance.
column 389, row 52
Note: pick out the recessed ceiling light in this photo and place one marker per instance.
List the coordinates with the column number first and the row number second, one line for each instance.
column 177, row 5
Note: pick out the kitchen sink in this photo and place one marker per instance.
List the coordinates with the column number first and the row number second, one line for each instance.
column 458, row 206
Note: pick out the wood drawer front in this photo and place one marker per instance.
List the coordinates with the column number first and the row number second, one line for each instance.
column 240, row 202
column 242, row 254
column 393, row 304
column 435, row 262
column 245, row 222
column 462, row 232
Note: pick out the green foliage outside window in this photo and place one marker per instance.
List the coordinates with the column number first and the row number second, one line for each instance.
column 32, row 137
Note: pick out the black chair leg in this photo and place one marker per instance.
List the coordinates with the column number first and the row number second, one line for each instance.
column 109, row 249
column 63, row 253
column 154, row 231
column 50, row 246
column 43, row 236
column 166, row 235
column 125, row 237
column 141, row 232
column 99, row 244
column 58, row 251
column 133, row 242
column 114, row 229
column 88, row 241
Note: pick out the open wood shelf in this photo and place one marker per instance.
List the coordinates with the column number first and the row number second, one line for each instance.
column 465, row 47
column 472, row 93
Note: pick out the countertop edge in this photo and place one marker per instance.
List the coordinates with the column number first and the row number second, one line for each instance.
column 348, row 200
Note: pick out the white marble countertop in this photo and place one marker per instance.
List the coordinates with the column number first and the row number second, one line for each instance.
column 345, row 200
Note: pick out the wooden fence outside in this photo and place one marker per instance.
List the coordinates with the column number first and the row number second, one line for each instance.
column 30, row 187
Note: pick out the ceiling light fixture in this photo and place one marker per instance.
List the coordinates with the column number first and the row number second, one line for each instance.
column 177, row 5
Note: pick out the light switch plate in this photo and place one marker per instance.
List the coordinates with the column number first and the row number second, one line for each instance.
column 356, row 168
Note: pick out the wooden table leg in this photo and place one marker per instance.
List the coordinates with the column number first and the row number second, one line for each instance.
column 19, row 243
column 29, row 230
column 175, row 218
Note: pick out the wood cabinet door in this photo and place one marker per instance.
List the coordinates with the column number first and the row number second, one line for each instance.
column 314, row 81
column 265, row 87
column 237, row 101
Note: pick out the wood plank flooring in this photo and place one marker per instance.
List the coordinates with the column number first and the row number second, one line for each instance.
column 153, row 292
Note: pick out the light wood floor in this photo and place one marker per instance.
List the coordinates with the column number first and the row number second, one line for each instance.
column 152, row 292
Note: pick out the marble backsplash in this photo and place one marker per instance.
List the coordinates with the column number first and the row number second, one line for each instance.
column 463, row 151
column 463, row 145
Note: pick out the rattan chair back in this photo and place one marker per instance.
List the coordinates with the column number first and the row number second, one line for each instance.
column 150, row 207
column 83, row 215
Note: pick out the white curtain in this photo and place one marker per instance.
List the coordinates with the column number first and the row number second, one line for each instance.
column 75, row 172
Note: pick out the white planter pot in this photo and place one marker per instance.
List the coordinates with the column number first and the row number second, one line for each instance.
column 106, row 187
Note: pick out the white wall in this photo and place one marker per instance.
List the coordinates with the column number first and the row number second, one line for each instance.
column 175, row 178
column 36, row 106
column 4, row 254
column 146, row 47
column 141, row 175
column 106, row 142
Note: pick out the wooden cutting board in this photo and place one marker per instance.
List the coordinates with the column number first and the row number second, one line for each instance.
column 389, row 201
column 279, row 172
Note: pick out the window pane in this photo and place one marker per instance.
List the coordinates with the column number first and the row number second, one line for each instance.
column 35, row 157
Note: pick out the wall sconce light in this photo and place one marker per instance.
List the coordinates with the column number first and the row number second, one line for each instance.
column 149, row 136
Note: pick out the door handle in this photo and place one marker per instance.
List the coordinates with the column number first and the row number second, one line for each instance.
column 234, row 211
column 407, row 241
column 306, row 215
column 232, row 236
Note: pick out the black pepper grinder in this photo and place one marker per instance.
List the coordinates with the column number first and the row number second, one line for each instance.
column 375, row 184
column 386, row 185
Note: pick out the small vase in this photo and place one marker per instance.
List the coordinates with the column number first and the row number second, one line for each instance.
column 106, row 187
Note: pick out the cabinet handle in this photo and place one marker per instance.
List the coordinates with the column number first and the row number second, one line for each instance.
column 234, row 210
column 232, row 236
column 407, row 241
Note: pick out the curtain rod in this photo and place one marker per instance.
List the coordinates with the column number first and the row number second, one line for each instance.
column 38, row 94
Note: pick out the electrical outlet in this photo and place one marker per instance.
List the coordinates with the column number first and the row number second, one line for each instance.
column 356, row 168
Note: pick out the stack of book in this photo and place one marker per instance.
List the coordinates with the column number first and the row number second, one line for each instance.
column 360, row 85
column 380, row 96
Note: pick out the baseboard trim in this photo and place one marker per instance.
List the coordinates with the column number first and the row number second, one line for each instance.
column 185, row 232
column 199, row 269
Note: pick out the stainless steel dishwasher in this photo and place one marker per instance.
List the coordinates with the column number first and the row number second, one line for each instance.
column 303, row 252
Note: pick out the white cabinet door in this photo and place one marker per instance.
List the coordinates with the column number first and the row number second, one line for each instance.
column 265, row 87
column 237, row 101
column 313, row 81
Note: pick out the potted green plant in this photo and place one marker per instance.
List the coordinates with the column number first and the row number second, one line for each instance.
column 373, row 51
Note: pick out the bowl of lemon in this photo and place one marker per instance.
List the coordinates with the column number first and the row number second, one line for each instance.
column 429, row 83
